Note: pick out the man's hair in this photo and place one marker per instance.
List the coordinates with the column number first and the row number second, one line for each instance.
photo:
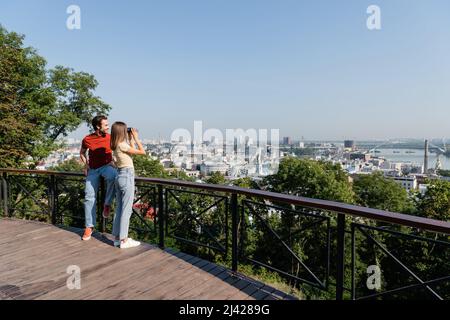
column 96, row 122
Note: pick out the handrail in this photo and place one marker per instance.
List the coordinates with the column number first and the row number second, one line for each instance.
column 353, row 210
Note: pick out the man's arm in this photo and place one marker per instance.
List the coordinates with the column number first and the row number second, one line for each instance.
column 84, row 160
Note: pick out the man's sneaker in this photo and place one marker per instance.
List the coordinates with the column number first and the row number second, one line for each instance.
column 106, row 211
column 130, row 243
column 87, row 234
column 116, row 243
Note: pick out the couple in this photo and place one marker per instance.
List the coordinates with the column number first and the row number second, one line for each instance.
column 110, row 158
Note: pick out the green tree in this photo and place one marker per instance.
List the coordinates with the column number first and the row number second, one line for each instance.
column 376, row 191
column 435, row 202
column 39, row 106
column 444, row 173
column 301, row 228
column 216, row 178
column 72, row 165
column 147, row 167
column 313, row 179
column 70, row 192
column 245, row 183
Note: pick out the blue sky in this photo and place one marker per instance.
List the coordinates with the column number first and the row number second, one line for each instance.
column 309, row 68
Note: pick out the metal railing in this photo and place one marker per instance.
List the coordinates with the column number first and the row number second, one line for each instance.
column 304, row 241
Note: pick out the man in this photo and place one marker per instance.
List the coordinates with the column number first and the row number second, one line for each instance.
column 100, row 164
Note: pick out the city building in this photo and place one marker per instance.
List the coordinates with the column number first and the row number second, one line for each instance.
column 409, row 183
column 287, row 141
column 207, row 168
column 360, row 156
column 349, row 145
column 192, row 173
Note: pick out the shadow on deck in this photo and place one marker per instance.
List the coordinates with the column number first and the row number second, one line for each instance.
column 35, row 256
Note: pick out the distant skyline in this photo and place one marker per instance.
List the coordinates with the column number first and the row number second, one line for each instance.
column 308, row 68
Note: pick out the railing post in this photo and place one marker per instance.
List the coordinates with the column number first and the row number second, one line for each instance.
column 234, row 231
column 161, row 216
column 340, row 257
column 52, row 198
column 5, row 194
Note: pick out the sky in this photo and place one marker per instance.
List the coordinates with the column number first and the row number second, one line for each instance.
column 311, row 68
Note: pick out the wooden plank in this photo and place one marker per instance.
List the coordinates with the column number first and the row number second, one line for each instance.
column 212, row 290
column 172, row 290
column 157, row 282
column 106, row 280
column 57, row 271
column 35, row 256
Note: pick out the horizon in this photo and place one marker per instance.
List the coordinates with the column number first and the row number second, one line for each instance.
column 310, row 69
column 296, row 139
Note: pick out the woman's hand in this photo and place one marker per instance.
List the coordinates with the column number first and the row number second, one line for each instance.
column 134, row 134
column 131, row 139
column 135, row 138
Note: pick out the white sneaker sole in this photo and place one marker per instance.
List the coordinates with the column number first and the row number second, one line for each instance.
column 130, row 246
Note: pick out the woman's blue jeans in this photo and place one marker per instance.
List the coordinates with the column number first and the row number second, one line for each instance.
column 124, row 198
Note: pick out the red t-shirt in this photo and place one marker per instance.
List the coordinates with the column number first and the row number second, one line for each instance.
column 100, row 153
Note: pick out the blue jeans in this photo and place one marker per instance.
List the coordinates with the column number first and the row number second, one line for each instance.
column 109, row 173
column 125, row 198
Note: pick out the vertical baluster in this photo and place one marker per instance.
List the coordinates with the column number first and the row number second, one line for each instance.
column 353, row 262
column 5, row 194
column 52, row 198
column 161, row 209
column 234, row 231
column 340, row 257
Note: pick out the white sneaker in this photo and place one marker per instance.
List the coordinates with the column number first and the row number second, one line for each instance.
column 130, row 243
column 116, row 243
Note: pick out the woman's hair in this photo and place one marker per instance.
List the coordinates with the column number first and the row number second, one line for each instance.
column 119, row 133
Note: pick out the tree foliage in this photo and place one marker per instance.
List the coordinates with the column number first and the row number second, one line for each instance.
column 216, row 178
column 435, row 202
column 375, row 191
column 38, row 106
column 313, row 179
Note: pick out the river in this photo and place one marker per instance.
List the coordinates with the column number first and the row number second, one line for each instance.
column 412, row 155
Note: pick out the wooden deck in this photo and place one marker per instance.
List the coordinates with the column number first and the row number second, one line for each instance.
column 34, row 258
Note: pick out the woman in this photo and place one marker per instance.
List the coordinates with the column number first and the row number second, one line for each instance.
column 123, row 146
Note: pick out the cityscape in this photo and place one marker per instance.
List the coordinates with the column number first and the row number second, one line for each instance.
column 408, row 162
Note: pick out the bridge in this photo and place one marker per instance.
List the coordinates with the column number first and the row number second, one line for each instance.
column 394, row 144
column 204, row 241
